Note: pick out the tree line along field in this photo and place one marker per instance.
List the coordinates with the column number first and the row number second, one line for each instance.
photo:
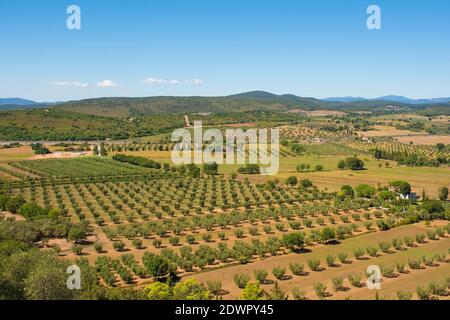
column 206, row 226
column 162, row 147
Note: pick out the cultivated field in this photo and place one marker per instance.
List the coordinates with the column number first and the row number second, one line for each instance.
column 424, row 140
column 387, row 131
column 404, row 281
column 238, row 227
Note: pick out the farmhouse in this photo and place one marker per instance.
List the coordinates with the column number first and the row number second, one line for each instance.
column 411, row 196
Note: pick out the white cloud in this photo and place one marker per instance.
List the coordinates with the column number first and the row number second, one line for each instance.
column 108, row 84
column 196, row 82
column 153, row 81
column 70, row 83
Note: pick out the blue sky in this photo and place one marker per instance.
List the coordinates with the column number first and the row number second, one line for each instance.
column 317, row 48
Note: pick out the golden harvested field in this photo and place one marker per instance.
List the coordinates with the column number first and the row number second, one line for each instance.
column 430, row 179
column 15, row 154
column 424, row 140
column 383, row 131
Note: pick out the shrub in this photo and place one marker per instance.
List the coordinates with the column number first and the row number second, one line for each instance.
column 438, row 289
column 260, row 276
column 207, row 237
column 77, row 249
column 158, row 291
column 294, row 240
column 298, row 294
column 368, row 225
column 137, row 243
column 98, row 247
column 279, row 272
column 383, row 225
column 250, row 169
column 397, row 244
column 388, row 271
column 306, row 184
column 365, row 191
column 330, row 260
column 404, row 295
column 252, row 291
column 157, row 243
column 447, row 228
column 174, row 241
column 400, row 267
column 385, row 247
column 253, row 231
column 280, row 227
column 358, row 253
column 338, row 283
column 267, row 229
column 277, row 293
column 415, row 264
column 190, row 289
column 327, row 235
column 222, row 236
column 119, row 246
column 343, row 257
column 441, row 257
column 314, row 264
column 296, row 268
column 190, row 239
column 320, row 289
column 292, row 181
column 239, row 233
column 157, row 266
column 372, row 251
column 420, row 238
column 308, row 223
column 408, row 241
column 215, row 287
column 431, row 234
column 355, row 279
column 428, row 261
column 241, row 280
column 423, row 293
column 440, row 232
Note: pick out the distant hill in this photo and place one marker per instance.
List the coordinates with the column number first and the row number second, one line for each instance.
column 242, row 102
column 288, row 99
column 16, row 101
column 345, row 99
column 118, row 107
column 391, row 98
column 415, row 101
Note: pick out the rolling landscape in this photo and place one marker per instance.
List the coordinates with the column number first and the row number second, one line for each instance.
column 212, row 159
column 76, row 182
